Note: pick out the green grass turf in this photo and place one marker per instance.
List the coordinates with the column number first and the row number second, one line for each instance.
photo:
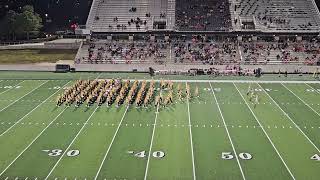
column 35, row 56
column 239, row 115
column 175, row 142
column 285, row 136
column 210, row 142
column 31, row 123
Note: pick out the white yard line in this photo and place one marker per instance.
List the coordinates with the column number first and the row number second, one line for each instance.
column 317, row 91
column 274, row 147
column 113, row 138
column 33, row 140
column 191, row 142
column 226, row 128
column 11, row 88
column 66, row 150
column 31, row 111
column 301, row 100
column 151, row 143
column 290, row 119
column 99, row 76
column 132, row 125
column 23, row 96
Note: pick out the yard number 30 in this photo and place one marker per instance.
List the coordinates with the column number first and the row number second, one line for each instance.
column 58, row 152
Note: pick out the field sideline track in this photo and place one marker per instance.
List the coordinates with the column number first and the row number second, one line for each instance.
column 199, row 81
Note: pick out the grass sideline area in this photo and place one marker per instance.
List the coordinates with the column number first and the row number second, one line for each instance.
column 35, row 56
column 218, row 135
column 108, row 75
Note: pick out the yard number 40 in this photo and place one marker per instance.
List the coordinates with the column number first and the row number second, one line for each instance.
column 142, row 154
column 315, row 157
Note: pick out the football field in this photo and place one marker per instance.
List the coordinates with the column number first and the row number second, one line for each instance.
column 219, row 135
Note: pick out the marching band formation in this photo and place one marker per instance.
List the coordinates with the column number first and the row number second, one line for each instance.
column 118, row 92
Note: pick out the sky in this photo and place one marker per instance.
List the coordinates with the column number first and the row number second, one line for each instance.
column 57, row 14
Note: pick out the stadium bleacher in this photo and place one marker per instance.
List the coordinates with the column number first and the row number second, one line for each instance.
column 276, row 15
column 122, row 52
column 280, row 53
column 199, row 51
column 202, row 15
column 131, row 17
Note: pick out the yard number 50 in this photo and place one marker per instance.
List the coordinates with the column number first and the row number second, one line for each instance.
column 229, row 155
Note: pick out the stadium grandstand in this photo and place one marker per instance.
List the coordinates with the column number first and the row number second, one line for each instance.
column 197, row 32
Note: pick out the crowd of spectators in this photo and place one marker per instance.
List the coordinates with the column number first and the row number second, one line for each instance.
column 213, row 53
column 283, row 53
column 125, row 52
column 200, row 51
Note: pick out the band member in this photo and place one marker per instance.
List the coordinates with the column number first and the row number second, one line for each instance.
column 196, row 92
column 249, row 90
column 188, row 91
column 256, row 100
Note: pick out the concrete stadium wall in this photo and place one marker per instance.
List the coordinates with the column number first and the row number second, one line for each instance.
column 42, row 46
column 145, row 67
